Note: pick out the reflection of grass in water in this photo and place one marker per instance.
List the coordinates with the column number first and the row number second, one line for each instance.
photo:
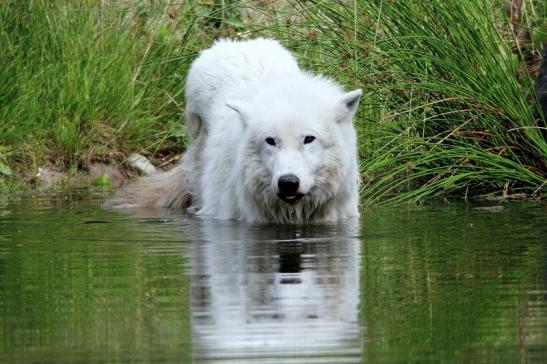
column 79, row 284
column 456, row 286
column 448, row 107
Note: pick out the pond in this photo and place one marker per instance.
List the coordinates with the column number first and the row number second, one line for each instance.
column 442, row 283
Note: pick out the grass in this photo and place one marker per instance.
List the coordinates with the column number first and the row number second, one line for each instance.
column 78, row 81
column 449, row 106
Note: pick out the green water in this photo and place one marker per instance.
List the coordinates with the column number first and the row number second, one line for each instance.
column 441, row 284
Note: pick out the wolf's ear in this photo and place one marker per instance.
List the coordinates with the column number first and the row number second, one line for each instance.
column 240, row 107
column 348, row 105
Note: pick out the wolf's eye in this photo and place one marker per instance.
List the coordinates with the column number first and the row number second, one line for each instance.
column 309, row 139
column 270, row 141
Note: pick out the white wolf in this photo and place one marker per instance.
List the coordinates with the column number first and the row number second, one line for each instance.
column 268, row 141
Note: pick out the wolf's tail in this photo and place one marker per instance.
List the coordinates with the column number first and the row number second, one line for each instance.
column 165, row 189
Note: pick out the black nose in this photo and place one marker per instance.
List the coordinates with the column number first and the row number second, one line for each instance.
column 288, row 184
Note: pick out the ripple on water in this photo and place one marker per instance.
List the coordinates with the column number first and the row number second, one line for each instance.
column 435, row 284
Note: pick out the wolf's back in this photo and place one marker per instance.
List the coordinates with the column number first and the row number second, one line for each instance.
column 225, row 68
column 231, row 65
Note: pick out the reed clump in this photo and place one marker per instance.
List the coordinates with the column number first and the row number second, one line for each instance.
column 450, row 106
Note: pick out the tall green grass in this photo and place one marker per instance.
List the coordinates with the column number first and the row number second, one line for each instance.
column 79, row 79
column 449, row 107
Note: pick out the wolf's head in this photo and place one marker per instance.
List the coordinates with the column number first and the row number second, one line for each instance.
column 299, row 144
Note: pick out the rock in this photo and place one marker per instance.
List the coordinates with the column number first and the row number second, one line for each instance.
column 48, row 178
column 142, row 164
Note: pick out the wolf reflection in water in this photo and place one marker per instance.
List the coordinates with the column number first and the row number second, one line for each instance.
column 275, row 293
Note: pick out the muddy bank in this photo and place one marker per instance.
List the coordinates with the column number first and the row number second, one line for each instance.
column 106, row 175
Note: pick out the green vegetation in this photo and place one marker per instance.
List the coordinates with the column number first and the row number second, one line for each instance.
column 449, row 106
column 78, row 81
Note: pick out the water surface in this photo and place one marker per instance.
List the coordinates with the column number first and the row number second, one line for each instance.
column 80, row 284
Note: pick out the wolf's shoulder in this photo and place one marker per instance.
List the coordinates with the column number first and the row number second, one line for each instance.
column 253, row 57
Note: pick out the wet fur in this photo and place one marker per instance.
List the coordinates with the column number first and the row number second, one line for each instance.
column 234, row 183
column 168, row 189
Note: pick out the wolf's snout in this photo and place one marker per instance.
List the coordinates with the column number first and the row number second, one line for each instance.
column 288, row 184
column 288, row 187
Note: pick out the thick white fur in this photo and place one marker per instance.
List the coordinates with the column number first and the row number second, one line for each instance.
column 238, row 93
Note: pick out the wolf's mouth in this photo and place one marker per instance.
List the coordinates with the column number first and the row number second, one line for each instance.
column 291, row 199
